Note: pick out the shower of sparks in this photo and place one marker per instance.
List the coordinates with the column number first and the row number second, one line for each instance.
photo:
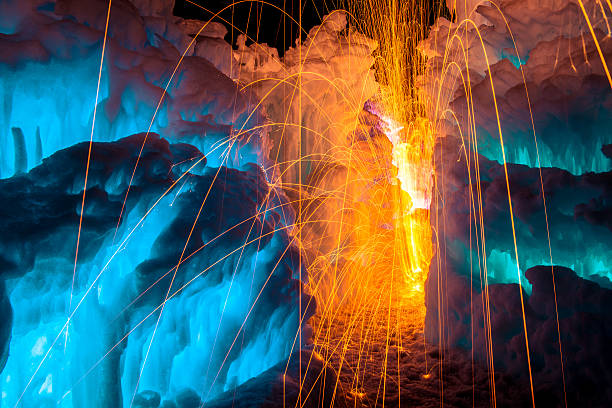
column 367, row 259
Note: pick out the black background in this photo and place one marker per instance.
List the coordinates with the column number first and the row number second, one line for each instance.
column 263, row 23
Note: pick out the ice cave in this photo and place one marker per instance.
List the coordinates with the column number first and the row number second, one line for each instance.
column 304, row 203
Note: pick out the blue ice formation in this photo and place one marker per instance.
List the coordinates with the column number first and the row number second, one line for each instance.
column 232, row 309
column 513, row 58
column 131, row 325
column 575, row 220
column 571, row 117
column 543, row 85
column 48, row 81
column 571, row 141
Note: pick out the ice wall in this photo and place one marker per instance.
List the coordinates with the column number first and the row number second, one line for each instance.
column 562, row 70
column 523, row 60
column 50, row 66
column 232, row 310
column 326, row 140
column 566, row 92
column 117, row 332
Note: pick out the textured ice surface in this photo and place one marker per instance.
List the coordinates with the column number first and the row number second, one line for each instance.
column 578, row 218
column 321, row 106
column 99, row 337
column 569, row 98
column 232, row 311
column 49, row 69
column 321, row 134
column 561, row 83
column 569, row 95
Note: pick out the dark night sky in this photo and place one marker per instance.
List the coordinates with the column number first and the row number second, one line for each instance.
column 262, row 22
column 265, row 24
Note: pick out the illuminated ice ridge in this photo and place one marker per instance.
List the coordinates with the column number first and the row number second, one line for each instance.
column 248, row 266
column 232, row 309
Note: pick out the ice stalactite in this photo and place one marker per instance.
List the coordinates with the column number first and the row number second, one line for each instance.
column 21, row 158
column 39, row 148
column 5, row 328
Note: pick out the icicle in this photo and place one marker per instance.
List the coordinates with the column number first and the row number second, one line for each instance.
column 7, row 110
column 38, row 146
column 9, row 88
column 21, row 155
